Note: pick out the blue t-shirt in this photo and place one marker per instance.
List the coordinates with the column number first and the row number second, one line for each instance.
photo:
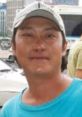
column 67, row 104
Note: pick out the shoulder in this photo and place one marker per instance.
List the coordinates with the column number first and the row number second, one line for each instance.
column 77, row 95
column 78, row 80
column 11, row 101
column 78, row 86
column 10, row 105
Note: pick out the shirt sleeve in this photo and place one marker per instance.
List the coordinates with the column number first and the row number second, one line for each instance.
column 2, row 113
column 79, row 60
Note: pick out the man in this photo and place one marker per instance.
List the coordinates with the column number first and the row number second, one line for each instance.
column 39, row 43
column 74, row 66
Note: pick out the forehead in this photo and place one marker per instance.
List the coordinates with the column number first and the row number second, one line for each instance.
column 38, row 22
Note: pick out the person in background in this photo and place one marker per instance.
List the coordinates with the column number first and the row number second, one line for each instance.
column 74, row 66
column 39, row 43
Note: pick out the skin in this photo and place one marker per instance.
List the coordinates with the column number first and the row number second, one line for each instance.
column 78, row 73
column 39, row 49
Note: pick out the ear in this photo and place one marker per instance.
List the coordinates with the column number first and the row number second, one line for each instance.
column 64, row 48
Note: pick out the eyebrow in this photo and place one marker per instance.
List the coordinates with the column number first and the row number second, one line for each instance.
column 48, row 28
column 52, row 28
column 24, row 27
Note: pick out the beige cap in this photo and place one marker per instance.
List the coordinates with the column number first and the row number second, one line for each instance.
column 39, row 8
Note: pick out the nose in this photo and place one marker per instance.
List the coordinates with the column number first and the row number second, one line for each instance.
column 40, row 45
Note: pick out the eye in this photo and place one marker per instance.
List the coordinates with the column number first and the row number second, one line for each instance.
column 27, row 34
column 50, row 36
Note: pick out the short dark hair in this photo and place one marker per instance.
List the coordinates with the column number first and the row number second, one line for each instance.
column 13, row 35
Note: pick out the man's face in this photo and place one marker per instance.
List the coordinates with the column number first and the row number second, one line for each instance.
column 39, row 46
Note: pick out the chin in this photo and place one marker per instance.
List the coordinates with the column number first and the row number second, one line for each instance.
column 40, row 70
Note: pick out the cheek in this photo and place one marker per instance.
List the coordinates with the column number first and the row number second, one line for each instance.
column 57, row 50
column 57, row 47
column 21, row 49
column 21, row 55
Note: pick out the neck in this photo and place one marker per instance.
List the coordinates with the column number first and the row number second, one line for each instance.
column 44, row 89
column 42, row 82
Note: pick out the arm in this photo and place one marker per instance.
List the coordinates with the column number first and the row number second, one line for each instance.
column 78, row 73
